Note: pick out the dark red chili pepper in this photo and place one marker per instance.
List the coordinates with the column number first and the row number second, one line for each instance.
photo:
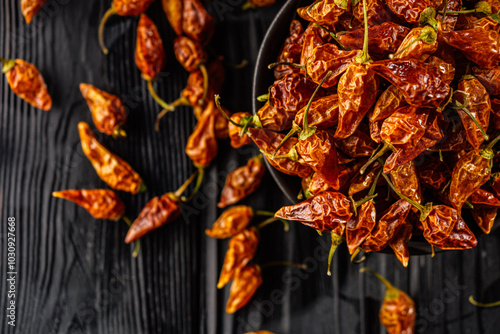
column 376, row 12
column 291, row 93
column 358, row 228
column 325, row 12
column 446, row 69
column 359, row 144
column 364, row 181
column 322, row 114
column 399, row 243
column 391, row 99
column 149, row 54
column 274, row 119
column 246, row 282
column 197, row 23
column 406, row 125
column 434, row 173
column 408, row 10
column 482, row 198
column 290, row 51
column 485, row 218
column 489, row 78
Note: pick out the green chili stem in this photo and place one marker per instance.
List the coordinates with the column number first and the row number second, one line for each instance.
column 363, row 200
column 334, row 36
column 445, row 186
column 155, row 96
column 493, row 143
column 407, row 47
column 199, row 181
column 110, row 12
column 469, row 204
column 204, row 73
column 476, row 303
column 307, row 130
column 263, row 97
column 365, row 54
column 245, row 127
column 295, row 129
column 356, row 253
column 440, row 155
column 264, row 213
column 181, row 101
column 381, row 278
column 374, row 185
column 217, row 104
column 119, row 132
column 336, row 241
column 3, row 60
column 137, row 242
column 183, row 187
column 380, row 153
column 468, row 11
column 284, row 263
column 444, row 11
column 468, row 113
column 286, row 226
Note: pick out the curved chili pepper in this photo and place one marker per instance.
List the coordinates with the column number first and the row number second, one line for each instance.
column 242, row 248
column 149, row 54
column 399, row 243
column 408, row 10
column 122, row 8
column 197, row 23
column 485, row 218
column 246, row 282
column 274, row 119
column 383, row 39
column 108, row 111
column 327, row 211
column 231, row 222
column 489, row 78
column 398, row 312
column 325, row 12
column 201, row 146
column 419, row 44
column 26, row 82
column 483, row 199
column 100, row 203
column 312, row 38
column 242, row 182
column 358, row 228
column 190, row 53
column 30, row 8
column 406, row 180
column 111, row 169
column 173, row 10
column 364, row 181
column 290, row 50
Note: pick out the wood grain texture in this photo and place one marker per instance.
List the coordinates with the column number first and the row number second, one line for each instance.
column 76, row 275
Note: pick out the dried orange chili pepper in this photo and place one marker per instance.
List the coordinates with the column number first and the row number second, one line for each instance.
column 197, row 23
column 398, row 312
column 30, row 8
column 231, row 222
column 111, row 169
column 108, row 111
column 290, row 50
column 100, row 203
column 173, row 11
column 242, row 182
column 485, row 218
column 26, row 82
column 122, row 8
column 201, row 146
column 242, row 248
column 245, row 283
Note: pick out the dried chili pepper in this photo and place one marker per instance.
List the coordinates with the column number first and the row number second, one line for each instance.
column 122, row 8
column 111, row 169
column 398, row 312
column 108, row 111
column 290, row 50
column 391, row 99
column 201, row 146
column 485, row 218
column 274, row 119
column 231, row 222
column 30, row 8
column 100, row 203
column 161, row 210
column 359, row 227
column 408, row 10
column 312, row 38
column 406, row 125
column 376, row 12
column 26, row 82
column 419, row 44
column 489, row 78
column 173, row 10
column 399, row 243
column 322, row 114
column 434, row 173
column 242, row 182
column 291, row 93
column 359, row 144
column 242, row 248
column 246, row 282
column 406, row 179
column 234, row 131
column 446, row 69
column 197, row 23
column 483, row 199
column 324, row 12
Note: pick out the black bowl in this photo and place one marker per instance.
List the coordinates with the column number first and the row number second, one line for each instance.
column 263, row 78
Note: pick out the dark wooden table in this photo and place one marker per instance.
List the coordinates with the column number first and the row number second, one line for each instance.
column 76, row 275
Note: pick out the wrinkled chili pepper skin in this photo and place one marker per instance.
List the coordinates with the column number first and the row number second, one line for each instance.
column 291, row 93
column 359, row 144
column 311, row 39
column 444, row 228
column 469, row 174
column 274, row 119
column 479, row 46
column 30, row 8
column 197, row 23
column 364, row 181
column 405, row 178
column 290, row 50
column 234, row 131
column 408, row 10
column 189, row 53
column 131, row 7
column 387, row 226
column 157, row 212
column 434, row 173
column 242, row 248
column 111, row 169
column 327, row 211
column 383, row 39
column 489, row 77
column 231, row 222
column 398, row 314
column 406, row 125
column 357, row 92
column 322, row 114
column 318, row 152
column 419, row 50
column 268, row 141
column 421, row 84
column 376, row 12
column 446, row 69
column 325, row 13
column 484, row 199
column 391, row 99
column 359, row 228
column 399, row 243
column 479, row 106
column 108, row 111
column 242, row 182
column 485, row 218
column 246, row 282
column 449, row 21
column 26, row 82
column 201, row 146
column 173, row 11
column 194, row 90
column 149, row 54
column 100, row 203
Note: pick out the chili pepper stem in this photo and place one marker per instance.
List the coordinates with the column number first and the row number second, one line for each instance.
column 248, row 5
column 245, row 127
column 263, row 97
column 364, row 57
column 468, row 113
column 469, row 204
column 199, row 181
column 239, row 66
column 428, row 16
column 476, row 303
column 445, row 10
column 204, row 73
column 355, row 254
column 380, row 153
column 119, row 132
column 391, row 292
column 155, row 96
column 336, row 241
column 183, row 187
column 493, row 143
column 264, row 213
column 7, row 64
column 295, row 129
column 374, row 185
column 110, row 12
column 217, row 104
column 137, row 243
column 429, row 34
column 307, row 130
column 286, row 226
column 299, row 66
column 181, row 101
column 284, row 263
column 334, row 36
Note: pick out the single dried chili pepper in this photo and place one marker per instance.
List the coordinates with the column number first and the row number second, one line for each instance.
column 406, row 125
column 489, row 78
column 421, row 84
column 312, row 38
column 322, row 114
column 398, row 312
column 483, row 199
column 242, row 182
column 246, row 282
column 419, row 44
column 108, row 111
column 408, row 10
column 325, row 12
column 242, row 248
column 201, row 146
column 399, row 243
column 291, row 93
column 122, row 8
column 364, row 181
column 290, row 50
column 406, row 179
column 274, row 119
column 391, row 99
column 197, row 23
column 231, row 222
column 100, row 203
column 161, row 210
column 111, row 169
column 30, row 8
column 26, row 82
column 173, row 11
column 234, row 131
column 485, row 218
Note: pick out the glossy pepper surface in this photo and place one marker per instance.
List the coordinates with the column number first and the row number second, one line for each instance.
column 100, row 203
column 231, row 222
column 244, row 286
column 149, row 53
